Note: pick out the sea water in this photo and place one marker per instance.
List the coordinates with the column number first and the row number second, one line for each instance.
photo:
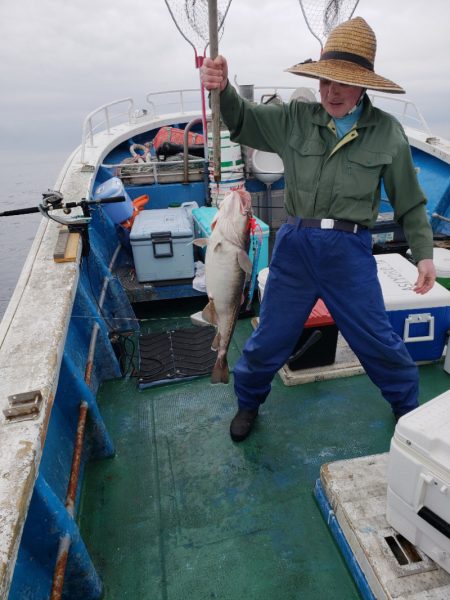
column 23, row 180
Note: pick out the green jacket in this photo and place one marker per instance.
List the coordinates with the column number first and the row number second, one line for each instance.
column 327, row 178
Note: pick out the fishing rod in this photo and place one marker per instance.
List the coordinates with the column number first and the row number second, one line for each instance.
column 54, row 201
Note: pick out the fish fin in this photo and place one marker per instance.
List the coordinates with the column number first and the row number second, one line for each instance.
column 216, row 342
column 201, row 242
column 209, row 313
column 220, row 372
column 244, row 262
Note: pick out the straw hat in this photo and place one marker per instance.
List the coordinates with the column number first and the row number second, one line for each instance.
column 348, row 57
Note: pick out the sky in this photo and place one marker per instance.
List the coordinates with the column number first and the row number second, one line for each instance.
column 60, row 60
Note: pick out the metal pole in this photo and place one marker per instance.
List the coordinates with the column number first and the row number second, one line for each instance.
column 215, row 94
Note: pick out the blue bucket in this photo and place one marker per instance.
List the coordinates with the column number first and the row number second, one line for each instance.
column 119, row 211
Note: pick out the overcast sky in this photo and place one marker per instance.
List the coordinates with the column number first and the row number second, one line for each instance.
column 59, row 60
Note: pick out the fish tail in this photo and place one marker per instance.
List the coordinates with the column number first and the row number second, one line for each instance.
column 220, row 372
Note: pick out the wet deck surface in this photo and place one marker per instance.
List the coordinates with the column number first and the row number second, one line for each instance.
column 182, row 512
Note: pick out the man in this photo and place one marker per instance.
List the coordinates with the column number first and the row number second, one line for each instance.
column 336, row 155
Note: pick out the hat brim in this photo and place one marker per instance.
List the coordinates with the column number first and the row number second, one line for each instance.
column 346, row 72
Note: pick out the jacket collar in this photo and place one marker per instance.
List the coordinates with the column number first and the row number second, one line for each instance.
column 367, row 119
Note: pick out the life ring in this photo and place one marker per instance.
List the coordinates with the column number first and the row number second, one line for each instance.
column 138, row 157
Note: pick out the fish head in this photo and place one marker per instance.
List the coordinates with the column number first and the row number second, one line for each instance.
column 236, row 207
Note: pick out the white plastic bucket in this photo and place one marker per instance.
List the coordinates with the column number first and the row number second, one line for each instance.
column 219, row 191
column 441, row 257
column 230, row 153
column 228, row 173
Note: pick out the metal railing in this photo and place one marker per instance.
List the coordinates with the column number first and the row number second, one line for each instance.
column 189, row 100
column 106, row 118
column 404, row 110
column 174, row 101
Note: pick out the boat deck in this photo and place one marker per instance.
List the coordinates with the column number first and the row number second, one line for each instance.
column 352, row 496
column 183, row 512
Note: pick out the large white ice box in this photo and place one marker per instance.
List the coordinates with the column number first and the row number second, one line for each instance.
column 161, row 240
column 421, row 320
column 418, row 493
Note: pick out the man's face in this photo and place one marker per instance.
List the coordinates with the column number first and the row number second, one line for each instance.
column 338, row 98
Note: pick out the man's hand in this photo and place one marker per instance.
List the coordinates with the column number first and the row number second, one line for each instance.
column 427, row 276
column 214, row 73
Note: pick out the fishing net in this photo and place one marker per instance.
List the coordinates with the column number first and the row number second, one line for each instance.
column 200, row 22
column 191, row 20
column 322, row 16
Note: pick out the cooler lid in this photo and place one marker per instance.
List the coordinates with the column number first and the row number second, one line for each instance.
column 319, row 315
column 441, row 257
column 173, row 220
column 427, row 430
column 205, row 215
column 397, row 277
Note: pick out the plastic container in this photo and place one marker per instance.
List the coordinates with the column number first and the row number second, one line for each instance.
column 231, row 167
column 203, row 217
column 112, row 188
column 220, row 190
column 161, row 241
column 420, row 320
column 316, row 346
column 418, row 493
column 441, row 258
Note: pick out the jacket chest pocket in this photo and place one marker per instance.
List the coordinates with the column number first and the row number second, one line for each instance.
column 364, row 171
column 307, row 158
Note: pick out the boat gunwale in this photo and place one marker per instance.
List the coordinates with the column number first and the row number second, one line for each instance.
column 21, row 444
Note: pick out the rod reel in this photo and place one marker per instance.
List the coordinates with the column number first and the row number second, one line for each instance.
column 53, row 201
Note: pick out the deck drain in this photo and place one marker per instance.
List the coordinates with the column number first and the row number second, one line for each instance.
column 404, row 557
column 404, row 552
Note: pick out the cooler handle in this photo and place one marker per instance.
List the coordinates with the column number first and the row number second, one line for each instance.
column 435, row 521
column 413, row 320
column 162, row 244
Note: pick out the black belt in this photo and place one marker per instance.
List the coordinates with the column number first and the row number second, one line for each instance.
column 326, row 224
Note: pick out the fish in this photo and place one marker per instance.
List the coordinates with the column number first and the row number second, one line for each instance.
column 227, row 269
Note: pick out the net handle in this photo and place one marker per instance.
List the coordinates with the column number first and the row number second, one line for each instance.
column 215, row 94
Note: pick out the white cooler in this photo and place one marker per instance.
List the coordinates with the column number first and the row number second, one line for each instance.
column 161, row 240
column 420, row 320
column 418, row 493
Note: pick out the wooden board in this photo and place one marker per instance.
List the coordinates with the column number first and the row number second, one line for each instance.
column 66, row 247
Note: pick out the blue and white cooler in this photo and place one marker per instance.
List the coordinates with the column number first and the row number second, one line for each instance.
column 421, row 320
column 161, row 241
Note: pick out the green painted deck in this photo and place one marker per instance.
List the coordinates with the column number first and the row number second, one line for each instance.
column 183, row 513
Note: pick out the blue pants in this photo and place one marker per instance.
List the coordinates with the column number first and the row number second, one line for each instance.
column 338, row 267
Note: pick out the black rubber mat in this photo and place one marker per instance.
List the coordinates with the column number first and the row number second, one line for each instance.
column 178, row 354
